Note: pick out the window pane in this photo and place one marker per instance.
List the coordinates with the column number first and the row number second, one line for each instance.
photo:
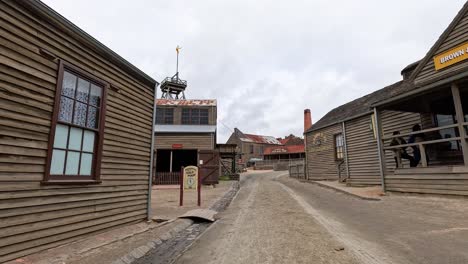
column 69, row 84
column 203, row 120
column 86, row 164
column 92, row 117
column 83, row 91
column 80, row 114
column 61, row 135
column 88, row 141
column 58, row 161
column 159, row 116
column 95, row 95
column 66, row 109
column 73, row 159
column 74, row 142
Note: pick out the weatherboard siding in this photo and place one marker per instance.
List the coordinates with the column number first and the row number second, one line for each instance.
column 34, row 217
column 321, row 162
column 458, row 36
column 202, row 141
column 452, row 180
column 363, row 155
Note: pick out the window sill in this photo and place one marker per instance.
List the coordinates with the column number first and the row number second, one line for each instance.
column 70, row 182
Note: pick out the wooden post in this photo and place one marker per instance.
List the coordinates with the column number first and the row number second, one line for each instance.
column 181, row 198
column 460, row 120
column 199, row 188
column 380, row 147
column 345, row 145
column 422, row 149
column 170, row 162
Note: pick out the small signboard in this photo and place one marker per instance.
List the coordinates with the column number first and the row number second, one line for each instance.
column 177, row 146
column 190, row 178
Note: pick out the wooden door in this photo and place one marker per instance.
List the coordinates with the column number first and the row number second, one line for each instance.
column 209, row 170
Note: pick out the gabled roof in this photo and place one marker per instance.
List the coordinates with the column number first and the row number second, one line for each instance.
column 430, row 54
column 284, row 149
column 193, row 102
column 360, row 106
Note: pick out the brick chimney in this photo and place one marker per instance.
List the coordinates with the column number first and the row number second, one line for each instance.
column 307, row 119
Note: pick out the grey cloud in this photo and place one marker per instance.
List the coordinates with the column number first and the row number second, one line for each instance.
column 265, row 61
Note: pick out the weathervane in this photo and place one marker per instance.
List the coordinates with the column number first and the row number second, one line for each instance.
column 173, row 86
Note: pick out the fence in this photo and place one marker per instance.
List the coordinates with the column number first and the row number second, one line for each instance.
column 277, row 164
column 297, row 170
column 167, row 178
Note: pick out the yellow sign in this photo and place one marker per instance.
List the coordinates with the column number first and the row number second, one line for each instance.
column 451, row 57
column 190, row 177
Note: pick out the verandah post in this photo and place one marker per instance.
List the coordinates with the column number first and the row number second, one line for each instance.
column 460, row 120
column 181, row 176
column 380, row 147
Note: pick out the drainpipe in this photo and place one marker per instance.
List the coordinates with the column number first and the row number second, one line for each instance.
column 380, row 147
column 150, row 181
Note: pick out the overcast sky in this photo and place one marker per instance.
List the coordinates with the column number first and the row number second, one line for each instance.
column 266, row 61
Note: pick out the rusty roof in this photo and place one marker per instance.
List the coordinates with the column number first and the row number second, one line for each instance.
column 260, row 139
column 192, row 102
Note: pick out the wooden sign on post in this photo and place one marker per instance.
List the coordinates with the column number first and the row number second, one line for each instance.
column 190, row 180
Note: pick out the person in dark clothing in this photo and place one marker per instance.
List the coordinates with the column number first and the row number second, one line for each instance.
column 416, row 138
column 400, row 153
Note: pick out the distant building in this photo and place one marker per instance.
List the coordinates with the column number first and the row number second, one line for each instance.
column 251, row 147
column 284, row 152
column 186, row 135
column 291, row 140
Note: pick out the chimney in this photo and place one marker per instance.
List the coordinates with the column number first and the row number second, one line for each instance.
column 307, row 119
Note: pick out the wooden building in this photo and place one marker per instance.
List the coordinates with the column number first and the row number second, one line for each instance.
column 408, row 137
column 439, row 93
column 185, row 135
column 342, row 145
column 75, row 133
column 251, row 147
column 286, row 152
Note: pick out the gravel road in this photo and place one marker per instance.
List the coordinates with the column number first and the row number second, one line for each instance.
column 266, row 224
column 276, row 219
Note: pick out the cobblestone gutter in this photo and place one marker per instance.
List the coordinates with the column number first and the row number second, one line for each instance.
column 166, row 248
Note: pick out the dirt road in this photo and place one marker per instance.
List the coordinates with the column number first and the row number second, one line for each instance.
column 280, row 220
column 265, row 224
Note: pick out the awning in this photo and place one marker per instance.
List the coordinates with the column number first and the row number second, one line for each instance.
column 185, row 129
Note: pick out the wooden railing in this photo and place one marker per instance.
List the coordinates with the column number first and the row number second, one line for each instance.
column 422, row 145
column 166, row 178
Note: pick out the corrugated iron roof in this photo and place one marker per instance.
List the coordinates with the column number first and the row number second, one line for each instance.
column 192, row 102
column 284, row 150
column 359, row 106
column 260, row 139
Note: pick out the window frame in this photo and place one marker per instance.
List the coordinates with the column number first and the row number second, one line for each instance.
column 199, row 116
column 164, row 115
column 335, row 147
column 95, row 176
